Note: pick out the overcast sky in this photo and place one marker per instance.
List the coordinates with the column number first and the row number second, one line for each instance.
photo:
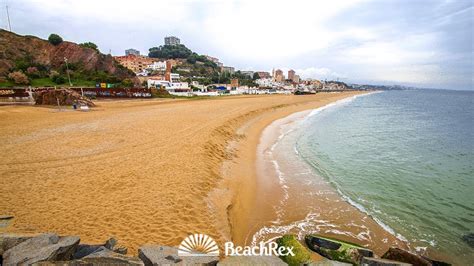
column 423, row 43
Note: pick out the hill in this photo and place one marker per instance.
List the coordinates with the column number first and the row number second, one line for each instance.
column 41, row 60
column 188, row 63
column 192, row 66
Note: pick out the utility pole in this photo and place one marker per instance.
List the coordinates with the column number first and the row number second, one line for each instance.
column 8, row 18
column 67, row 71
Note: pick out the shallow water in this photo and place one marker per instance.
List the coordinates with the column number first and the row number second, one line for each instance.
column 293, row 198
column 403, row 157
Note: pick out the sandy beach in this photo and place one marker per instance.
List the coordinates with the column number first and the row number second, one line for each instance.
column 150, row 171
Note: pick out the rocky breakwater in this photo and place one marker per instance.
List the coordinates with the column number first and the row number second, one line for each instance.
column 52, row 249
column 337, row 252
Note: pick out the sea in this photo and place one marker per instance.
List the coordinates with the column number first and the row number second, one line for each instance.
column 404, row 158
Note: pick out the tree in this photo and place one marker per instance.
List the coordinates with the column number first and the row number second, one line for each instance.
column 90, row 45
column 55, row 39
column 191, row 59
column 19, row 78
column 256, row 76
column 32, row 72
column 127, row 83
column 170, row 51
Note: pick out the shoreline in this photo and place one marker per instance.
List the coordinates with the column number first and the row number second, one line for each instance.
column 380, row 238
column 240, row 173
column 376, row 235
column 278, row 157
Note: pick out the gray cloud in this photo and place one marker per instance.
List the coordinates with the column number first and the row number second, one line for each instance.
column 422, row 43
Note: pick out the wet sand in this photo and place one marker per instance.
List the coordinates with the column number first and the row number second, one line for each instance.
column 144, row 171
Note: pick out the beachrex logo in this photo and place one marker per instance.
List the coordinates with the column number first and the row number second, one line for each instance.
column 203, row 245
column 263, row 249
column 198, row 245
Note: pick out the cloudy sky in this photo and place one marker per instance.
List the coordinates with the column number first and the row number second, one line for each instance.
column 425, row 43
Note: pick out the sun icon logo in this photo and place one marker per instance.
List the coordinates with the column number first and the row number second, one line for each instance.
column 198, row 245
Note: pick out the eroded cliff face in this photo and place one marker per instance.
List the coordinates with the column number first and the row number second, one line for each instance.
column 15, row 47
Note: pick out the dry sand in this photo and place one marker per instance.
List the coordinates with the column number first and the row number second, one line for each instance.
column 142, row 171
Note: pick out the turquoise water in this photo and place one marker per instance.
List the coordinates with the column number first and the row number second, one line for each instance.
column 407, row 159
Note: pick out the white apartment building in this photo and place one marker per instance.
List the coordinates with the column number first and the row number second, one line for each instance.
column 174, row 88
column 157, row 66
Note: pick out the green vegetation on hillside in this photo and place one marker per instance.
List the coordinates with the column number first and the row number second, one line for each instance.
column 170, row 52
column 55, row 39
column 29, row 60
column 90, row 45
column 180, row 52
column 41, row 75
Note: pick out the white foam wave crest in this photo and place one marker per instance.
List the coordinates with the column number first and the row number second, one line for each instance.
column 377, row 220
column 309, row 225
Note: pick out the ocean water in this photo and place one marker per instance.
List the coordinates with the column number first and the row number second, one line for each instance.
column 406, row 158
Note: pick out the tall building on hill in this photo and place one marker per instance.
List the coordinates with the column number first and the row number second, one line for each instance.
column 278, row 76
column 172, row 40
column 291, row 74
column 135, row 63
column 132, row 52
column 296, row 79
column 228, row 69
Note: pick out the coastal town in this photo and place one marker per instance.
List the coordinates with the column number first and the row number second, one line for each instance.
column 156, row 73
column 169, row 70
column 194, row 132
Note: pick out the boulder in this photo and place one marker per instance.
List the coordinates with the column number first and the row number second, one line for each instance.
column 7, row 241
column 108, row 257
column 84, row 250
column 63, row 263
column 121, row 250
column 163, row 255
column 5, row 220
column 401, row 255
column 251, row 260
column 326, row 262
column 437, row 262
column 45, row 247
column 337, row 250
column 381, row 262
column 302, row 255
column 110, row 243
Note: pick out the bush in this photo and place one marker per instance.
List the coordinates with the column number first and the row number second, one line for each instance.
column 33, row 72
column 90, row 45
column 55, row 39
column 53, row 74
column 19, row 78
column 127, row 83
column 58, row 79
